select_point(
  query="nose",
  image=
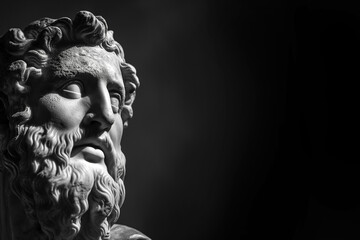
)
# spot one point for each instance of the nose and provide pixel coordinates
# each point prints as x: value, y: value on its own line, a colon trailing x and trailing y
x: 100, y: 115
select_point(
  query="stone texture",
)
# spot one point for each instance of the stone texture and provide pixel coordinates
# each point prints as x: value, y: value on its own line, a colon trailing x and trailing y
x: 66, y: 97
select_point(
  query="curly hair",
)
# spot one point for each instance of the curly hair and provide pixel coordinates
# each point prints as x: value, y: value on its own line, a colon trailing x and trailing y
x: 24, y: 54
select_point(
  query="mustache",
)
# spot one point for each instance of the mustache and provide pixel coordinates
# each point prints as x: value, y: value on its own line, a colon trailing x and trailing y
x: 114, y: 161
x: 45, y: 143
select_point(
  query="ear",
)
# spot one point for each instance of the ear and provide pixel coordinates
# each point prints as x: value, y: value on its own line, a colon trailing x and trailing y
x: 131, y: 82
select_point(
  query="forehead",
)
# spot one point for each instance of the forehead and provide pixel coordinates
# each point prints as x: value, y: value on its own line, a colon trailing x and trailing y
x: 77, y: 60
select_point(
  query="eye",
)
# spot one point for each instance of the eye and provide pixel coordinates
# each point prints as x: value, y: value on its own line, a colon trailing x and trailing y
x: 73, y: 90
x: 115, y: 99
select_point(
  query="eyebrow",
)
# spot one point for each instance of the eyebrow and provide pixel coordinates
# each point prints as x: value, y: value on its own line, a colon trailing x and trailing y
x: 116, y: 85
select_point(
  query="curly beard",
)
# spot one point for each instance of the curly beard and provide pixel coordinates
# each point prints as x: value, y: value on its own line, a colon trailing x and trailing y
x: 68, y: 199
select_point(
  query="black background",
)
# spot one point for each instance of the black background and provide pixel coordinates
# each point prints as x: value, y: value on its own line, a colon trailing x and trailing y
x: 245, y: 121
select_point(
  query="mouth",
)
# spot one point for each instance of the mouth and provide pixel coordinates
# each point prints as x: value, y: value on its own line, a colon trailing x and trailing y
x: 98, y: 150
x: 89, y: 152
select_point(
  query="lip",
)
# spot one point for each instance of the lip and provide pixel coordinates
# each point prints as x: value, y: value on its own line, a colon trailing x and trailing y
x: 104, y: 144
x: 96, y: 143
x: 90, y: 153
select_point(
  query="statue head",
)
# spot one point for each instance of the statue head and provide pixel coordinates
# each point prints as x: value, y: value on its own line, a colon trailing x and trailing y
x: 66, y: 94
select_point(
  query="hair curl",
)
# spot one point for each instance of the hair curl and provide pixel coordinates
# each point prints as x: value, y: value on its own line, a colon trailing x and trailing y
x: 25, y: 53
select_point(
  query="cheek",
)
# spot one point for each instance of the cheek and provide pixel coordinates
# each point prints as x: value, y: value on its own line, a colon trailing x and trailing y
x: 64, y: 113
x: 116, y: 131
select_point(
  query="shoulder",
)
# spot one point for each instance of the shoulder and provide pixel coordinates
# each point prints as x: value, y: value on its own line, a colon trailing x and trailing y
x: 122, y: 232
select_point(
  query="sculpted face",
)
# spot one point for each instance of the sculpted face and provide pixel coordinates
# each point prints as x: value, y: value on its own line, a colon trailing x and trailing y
x: 77, y: 167
x: 67, y: 92
x: 83, y: 87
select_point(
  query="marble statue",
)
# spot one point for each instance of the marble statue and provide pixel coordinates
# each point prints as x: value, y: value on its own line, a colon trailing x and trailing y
x: 66, y: 96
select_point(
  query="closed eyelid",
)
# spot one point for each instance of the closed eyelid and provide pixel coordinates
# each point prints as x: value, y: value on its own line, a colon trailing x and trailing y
x: 115, y: 99
x: 117, y: 95
x: 73, y: 89
x: 115, y: 106
x: 77, y: 93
